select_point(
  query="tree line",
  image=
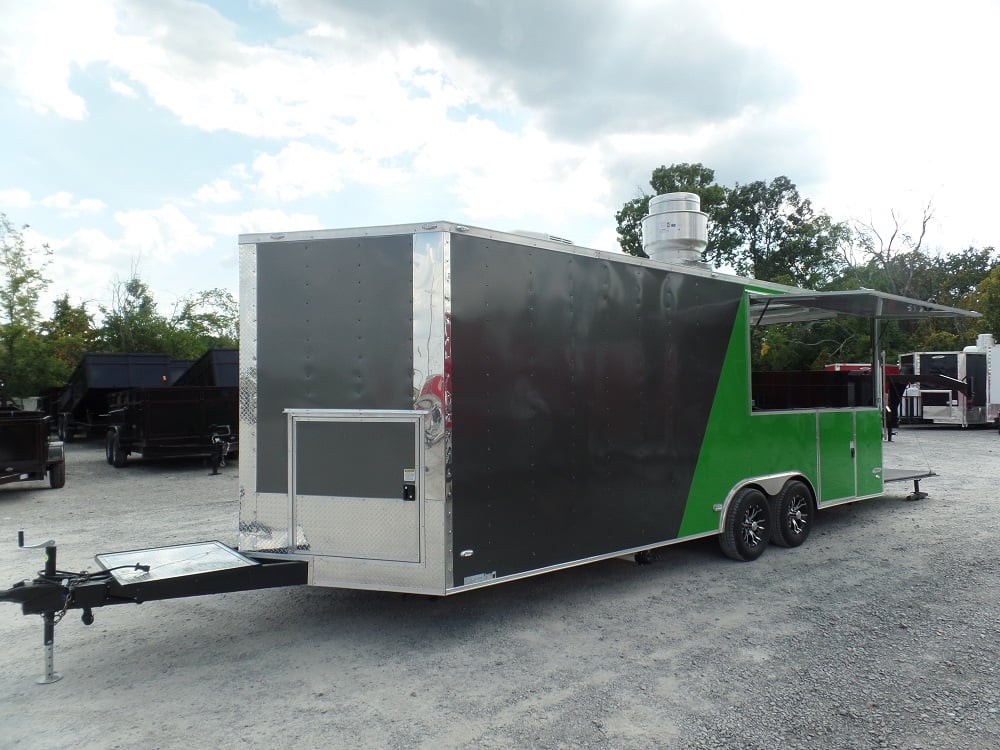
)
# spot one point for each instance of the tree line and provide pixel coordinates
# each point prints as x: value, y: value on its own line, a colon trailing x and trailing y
x: 37, y: 352
x: 768, y: 231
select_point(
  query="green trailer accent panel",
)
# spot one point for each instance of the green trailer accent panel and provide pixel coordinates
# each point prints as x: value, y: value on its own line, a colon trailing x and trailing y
x: 740, y: 444
x: 838, y: 451
x: 869, y: 440
x: 837, y: 454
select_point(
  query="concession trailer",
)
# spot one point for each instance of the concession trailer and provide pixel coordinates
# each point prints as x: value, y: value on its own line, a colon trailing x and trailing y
x: 957, y: 388
x: 433, y: 408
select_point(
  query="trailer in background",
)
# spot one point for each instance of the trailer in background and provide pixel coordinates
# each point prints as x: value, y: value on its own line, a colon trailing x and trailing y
x: 174, y: 422
x: 196, y: 416
x: 957, y: 388
x: 82, y: 404
x: 217, y: 367
x: 26, y: 452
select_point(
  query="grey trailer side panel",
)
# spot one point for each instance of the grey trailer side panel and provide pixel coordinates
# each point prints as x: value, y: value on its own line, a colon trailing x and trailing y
x: 583, y: 387
x: 335, y: 333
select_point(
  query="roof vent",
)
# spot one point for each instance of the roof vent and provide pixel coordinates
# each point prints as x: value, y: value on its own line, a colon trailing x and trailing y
x: 676, y: 230
x: 542, y: 236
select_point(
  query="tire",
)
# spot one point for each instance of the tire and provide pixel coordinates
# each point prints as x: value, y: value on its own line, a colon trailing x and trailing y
x: 63, y: 430
x: 107, y: 447
x: 746, y: 530
x: 57, y: 475
x: 792, y: 515
x: 116, y: 456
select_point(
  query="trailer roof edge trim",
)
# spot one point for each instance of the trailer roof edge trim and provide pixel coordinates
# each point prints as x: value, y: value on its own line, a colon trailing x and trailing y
x: 803, y: 306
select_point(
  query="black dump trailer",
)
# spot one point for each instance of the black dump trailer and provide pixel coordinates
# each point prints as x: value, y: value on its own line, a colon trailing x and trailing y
x: 197, y: 415
x: 26, y: 453
x: 174, y: 422
x: 82, y: 405
x: 177, y: 369
x: 220, y: 367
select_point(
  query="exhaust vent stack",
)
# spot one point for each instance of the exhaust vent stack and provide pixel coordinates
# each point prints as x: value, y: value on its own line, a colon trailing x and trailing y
x: 676, y: 230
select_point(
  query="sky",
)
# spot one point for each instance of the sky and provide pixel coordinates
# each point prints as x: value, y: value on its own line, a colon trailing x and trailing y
x: 144, y: 137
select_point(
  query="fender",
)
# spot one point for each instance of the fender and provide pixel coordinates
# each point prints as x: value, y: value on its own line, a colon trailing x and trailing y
x: 770, y: 484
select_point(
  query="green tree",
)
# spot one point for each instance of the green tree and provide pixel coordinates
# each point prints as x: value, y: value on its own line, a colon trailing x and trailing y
x: 68, y: 335
x: 199, y: 322
x: 768, y: 231
x: 208, y: 319
x: 132, y: 322
x: 986, y: 300
x: 23, y: 281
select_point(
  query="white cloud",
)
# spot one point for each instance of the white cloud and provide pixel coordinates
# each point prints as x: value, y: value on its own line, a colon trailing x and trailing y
x: 70, y: 208
x: 120, y: 87
x: 15, y: 198
x: 161, y: 235
x: 43, y: 41
x: 505, y: 176
x: 217, y: 191
x: 300, y: 170
x: 262, y: 220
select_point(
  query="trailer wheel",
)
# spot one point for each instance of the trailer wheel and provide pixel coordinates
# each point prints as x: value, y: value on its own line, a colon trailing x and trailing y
x: 57, y: 475
x: 63, y: 429
x: 792, y: 515
x: 746, y: 530
x: 113, y: 450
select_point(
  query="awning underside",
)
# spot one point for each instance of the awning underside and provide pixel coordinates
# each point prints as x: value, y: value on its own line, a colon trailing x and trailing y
x: 768, y: 309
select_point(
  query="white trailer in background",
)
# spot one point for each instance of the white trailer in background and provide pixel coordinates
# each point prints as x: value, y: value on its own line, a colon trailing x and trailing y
x: 959, y: 388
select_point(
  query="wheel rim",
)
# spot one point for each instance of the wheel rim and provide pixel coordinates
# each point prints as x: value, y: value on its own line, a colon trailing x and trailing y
x: 797, y: 517
x: 754, y: 526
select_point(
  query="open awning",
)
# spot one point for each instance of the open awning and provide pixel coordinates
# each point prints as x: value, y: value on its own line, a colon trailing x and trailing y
x: 802, y: 306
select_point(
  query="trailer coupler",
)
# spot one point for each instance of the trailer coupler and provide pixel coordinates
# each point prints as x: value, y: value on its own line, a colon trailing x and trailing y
x: 185, y: 570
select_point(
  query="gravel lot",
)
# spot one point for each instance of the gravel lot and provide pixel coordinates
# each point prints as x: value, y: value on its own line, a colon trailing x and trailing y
x: 881, y: 631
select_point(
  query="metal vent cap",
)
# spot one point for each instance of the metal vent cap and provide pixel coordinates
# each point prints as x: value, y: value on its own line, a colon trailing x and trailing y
x: 676, y: 229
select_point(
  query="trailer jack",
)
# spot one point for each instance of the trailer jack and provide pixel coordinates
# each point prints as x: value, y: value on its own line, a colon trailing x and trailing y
x: 49, y: 617
x: 221, y: 439
x: 917, y: 493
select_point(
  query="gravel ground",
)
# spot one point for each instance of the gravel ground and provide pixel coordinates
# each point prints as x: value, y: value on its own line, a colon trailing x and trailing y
x: 881, y: 631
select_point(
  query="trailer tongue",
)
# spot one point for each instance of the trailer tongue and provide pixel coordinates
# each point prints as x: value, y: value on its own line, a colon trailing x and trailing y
x: 138, y: 576
x: 435, y: 408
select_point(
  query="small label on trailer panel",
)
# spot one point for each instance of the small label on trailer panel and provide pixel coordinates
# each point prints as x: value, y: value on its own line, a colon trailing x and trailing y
x: 409, y: 475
